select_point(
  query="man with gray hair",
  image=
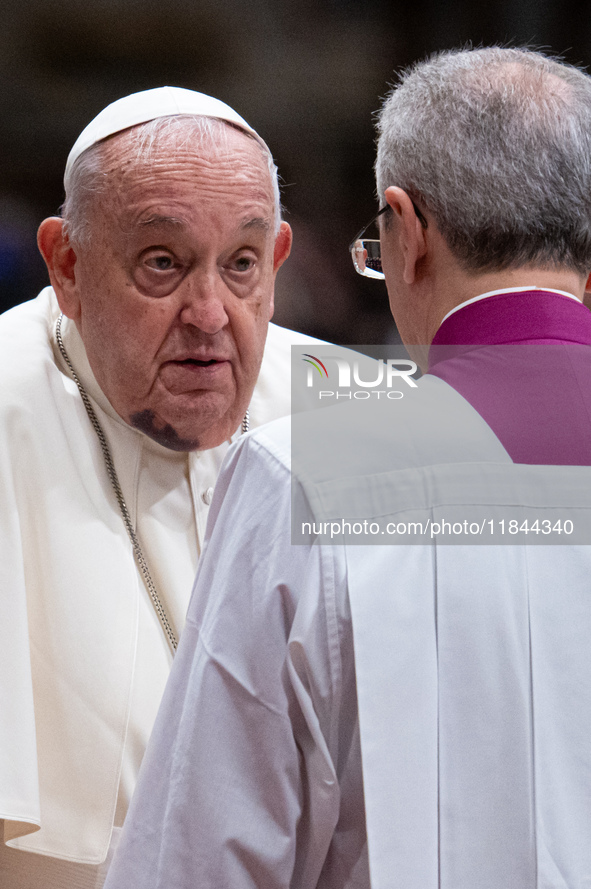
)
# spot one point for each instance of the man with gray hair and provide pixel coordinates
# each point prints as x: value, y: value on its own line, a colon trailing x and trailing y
x: 123, y: 385
x: 418, y: 713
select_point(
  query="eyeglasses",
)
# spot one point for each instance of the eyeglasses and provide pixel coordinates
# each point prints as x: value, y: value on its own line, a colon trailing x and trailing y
x: 366, y: 252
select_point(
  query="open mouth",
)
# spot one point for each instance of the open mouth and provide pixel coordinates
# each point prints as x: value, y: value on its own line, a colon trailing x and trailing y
x: 185, y: 375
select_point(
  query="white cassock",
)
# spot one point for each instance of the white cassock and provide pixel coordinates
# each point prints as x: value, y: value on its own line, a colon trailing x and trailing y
x: 83, y: 658
x: 420, y: 712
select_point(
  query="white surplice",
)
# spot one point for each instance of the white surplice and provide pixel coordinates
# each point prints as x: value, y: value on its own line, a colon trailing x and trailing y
x: 454, y: 682
x: 83, y: 658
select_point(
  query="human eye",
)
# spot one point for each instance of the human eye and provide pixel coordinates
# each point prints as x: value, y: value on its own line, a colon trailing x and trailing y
x: 159, y: 260
x: 158, y: 271
x: 243, y: 262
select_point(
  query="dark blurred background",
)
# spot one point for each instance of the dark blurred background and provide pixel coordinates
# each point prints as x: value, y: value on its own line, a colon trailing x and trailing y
x: 307, y: 75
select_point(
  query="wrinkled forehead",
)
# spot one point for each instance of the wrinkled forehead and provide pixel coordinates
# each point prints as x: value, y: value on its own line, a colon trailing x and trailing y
x: 173, y: 147
x: 183, y: 162
x: 146, y: 143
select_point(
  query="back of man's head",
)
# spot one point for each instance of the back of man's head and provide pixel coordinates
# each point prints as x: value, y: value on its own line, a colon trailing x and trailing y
x: 496, y: 144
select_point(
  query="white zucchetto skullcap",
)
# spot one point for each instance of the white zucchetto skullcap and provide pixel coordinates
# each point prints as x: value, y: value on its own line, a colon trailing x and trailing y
x: 164, y: 101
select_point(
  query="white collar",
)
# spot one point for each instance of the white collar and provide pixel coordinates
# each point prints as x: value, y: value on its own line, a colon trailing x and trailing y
x: 475, y: 299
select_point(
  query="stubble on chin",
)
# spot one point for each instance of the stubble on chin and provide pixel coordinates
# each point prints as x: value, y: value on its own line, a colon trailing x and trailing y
x: 166, y: 435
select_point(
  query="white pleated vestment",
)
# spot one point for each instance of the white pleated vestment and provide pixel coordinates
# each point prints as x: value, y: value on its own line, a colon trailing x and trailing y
x: 454, y: 682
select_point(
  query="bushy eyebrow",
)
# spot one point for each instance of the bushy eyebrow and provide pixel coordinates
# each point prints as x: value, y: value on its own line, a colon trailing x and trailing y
x: 156, y: 219
x: 257, y: 222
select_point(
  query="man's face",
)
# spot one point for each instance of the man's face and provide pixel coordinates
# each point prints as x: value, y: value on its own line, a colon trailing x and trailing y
x: 175, y: 291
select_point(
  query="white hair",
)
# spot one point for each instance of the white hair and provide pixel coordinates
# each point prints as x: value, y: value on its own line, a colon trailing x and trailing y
x: 88, y: 179
x: 496, y: 144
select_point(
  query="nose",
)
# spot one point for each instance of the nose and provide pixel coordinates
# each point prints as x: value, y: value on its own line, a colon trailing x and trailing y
x: 204, y: 303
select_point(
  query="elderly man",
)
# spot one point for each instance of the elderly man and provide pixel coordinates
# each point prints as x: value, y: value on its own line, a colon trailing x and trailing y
x: 123, y: 384
x: 449, y: 745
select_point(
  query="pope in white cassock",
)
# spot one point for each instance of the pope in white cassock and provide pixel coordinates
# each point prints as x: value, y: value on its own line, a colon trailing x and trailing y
x: 122, y: 386
x: 410, y: 716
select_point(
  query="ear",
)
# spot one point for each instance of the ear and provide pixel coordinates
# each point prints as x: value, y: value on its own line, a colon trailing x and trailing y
x: 587, y: 293
x: 411, y: 233
x: 281, y: 251
x: 282, y: 246
x: 60, y: 259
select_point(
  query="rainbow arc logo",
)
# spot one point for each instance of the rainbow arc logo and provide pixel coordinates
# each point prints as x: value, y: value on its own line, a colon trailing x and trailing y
x: 315, y: 362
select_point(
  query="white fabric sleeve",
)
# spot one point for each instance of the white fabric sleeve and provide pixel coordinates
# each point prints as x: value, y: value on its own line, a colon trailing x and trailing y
x: 238, y: 782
